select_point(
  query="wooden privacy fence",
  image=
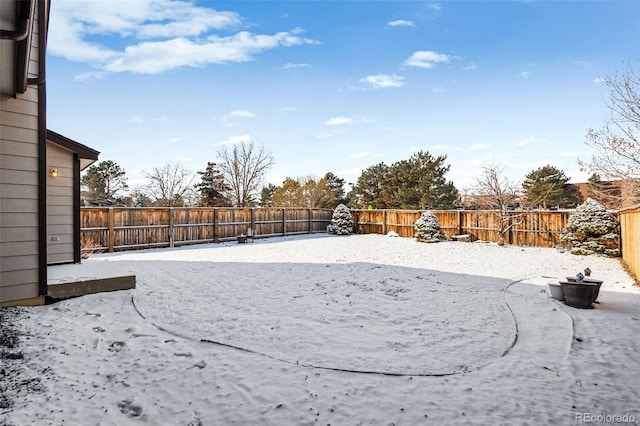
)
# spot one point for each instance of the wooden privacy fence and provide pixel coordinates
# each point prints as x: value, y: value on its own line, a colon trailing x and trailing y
x: 527, y: 228
x: 630, y: 236
x: 121, y: 228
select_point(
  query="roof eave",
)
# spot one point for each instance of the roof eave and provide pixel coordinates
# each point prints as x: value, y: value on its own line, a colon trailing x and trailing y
x: 83, y: 151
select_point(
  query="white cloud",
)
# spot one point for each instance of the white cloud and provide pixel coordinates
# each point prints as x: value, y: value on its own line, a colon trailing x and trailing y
x: 343, y: 121
x: 426, y: 59
x: 88, y: 76
x: 143, y: 18
x: 157, y: 35
x: 525, y: 141
x: 288, y: 66
x: 470, y: 67
x: 235, y: 139
x: 435, y: 6
x: 525, y: 75
x: 231, y: 118
x: 529, y: 140
x: 156, y: 57
x: 401, y: 23
x: 331, y: 134
x: 598, y: 81
x: 287, y: 109
x: 339, y: 121
x: 238, y: 113
x: 382, y: 81
x: 480, y: 146
x: 135, y: 119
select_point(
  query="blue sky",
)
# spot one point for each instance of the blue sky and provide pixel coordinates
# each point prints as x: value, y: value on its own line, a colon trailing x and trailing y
x: 337, y: 85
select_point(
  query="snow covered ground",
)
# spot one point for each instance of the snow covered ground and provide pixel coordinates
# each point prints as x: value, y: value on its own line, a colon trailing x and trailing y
x: 364, y: 329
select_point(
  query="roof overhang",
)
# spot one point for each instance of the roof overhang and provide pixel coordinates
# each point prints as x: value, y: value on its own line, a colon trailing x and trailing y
x: 87, y: 155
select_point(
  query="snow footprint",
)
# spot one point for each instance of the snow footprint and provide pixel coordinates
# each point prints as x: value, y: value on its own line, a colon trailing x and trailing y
x: 129, y: 409
x: 116, y: 346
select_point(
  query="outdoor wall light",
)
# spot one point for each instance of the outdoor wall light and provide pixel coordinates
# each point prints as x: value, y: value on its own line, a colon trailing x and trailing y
x: 53, y: 172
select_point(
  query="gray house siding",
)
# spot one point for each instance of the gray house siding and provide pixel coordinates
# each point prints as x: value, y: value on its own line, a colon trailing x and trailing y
x: 19, y: 252
x: 60, y: 205
x: 21, y: 212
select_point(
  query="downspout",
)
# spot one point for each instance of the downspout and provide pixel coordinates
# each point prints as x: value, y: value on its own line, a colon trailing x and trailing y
x: 25, y: 18
x: 76, y: 209
x: 43, y: 287
x: 22, y: 32
x: 43, y: 31
x: 18, y: 35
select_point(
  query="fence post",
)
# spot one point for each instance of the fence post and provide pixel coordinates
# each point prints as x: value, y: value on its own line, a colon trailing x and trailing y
x: 460, y: 232
x: 356, y: 221
x: 111, y: 232
x: 215, y: 224
x: 384, y: 222
x: 284, y: 222
x: 253, y: 221
x: 171, y: 236
x: 310, y: 220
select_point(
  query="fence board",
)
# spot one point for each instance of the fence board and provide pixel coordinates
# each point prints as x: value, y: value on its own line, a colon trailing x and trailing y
x: 630, y: 238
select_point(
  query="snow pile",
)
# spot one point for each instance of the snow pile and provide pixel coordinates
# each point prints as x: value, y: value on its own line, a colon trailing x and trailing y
x: 427, y: 228
x: 591, y: 229
x: 341, y: 221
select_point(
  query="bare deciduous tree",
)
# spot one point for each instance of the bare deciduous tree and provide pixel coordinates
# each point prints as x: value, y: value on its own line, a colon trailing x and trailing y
x: 170, y: 184
x: 496, y: 191
x: 244, y: 167
x: 616, y: 145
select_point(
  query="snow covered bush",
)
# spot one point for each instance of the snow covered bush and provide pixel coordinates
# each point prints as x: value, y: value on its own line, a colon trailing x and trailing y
x: 341, y: 221
x: 591, y: 229
x: 427, y: 228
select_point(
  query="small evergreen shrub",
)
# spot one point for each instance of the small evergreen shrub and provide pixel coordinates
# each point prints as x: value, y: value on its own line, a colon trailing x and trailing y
x: 591, y: 229
x: 341, y: 221
x: 427, y: 228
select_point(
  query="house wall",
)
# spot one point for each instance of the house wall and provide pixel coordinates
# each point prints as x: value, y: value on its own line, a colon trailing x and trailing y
x: 19, y: 258
x: 60, y: 205
x: 19, y: 268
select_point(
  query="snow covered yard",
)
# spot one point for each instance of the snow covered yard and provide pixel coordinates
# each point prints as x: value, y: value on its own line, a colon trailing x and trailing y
x: 320, y: 329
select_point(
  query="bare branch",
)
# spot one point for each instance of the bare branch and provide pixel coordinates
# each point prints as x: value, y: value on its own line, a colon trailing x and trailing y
x: 244, y: 168
x: 616, y: 146
x: 170, y: 184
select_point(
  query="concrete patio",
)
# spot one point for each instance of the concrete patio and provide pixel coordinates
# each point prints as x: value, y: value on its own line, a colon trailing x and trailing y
x: 79, y: 279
